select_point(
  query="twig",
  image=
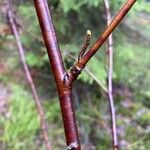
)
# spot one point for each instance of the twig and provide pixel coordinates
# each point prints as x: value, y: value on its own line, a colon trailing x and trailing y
x: 110, y: 73
x: 28, y: 75
x: 83, y: 61
x: 85, y: 45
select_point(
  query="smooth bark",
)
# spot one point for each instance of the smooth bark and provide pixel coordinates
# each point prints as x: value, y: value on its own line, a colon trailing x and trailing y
x: 64, y: 86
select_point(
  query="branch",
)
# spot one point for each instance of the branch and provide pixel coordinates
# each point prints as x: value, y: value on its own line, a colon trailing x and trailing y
x: 77, y: 68
x: 64, y: 80
x: 64, y: 86
x: 110, y: 73
x: 28, y: 75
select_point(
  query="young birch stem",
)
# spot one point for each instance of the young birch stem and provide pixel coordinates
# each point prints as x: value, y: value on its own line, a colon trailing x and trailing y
x: 28, y: 75
x: 63, y: 82
x: 110, y: 74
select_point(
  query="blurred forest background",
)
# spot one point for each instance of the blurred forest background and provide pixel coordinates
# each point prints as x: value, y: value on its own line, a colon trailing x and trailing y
x: 19, y: 124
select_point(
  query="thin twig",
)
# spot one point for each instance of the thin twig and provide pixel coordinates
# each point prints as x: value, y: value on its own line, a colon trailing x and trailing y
x: 85, y: 45
x: 110, y: 74
x: 28, y: 75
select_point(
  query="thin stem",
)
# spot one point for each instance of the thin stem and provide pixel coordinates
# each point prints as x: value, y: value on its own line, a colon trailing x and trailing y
x: 85, y: 45
x: 64, y: 86
x: 110, y: 74
x: 28, y: 75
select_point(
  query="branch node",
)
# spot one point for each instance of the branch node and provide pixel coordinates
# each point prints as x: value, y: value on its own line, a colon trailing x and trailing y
x: 71, y: 75
x: 76, y: 70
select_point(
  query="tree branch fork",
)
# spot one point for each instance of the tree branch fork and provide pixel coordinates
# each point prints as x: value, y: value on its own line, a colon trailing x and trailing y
x: 64, y: 79
x: 75, y: 71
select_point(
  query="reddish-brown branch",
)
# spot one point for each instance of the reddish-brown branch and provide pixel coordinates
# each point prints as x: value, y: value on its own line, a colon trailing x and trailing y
x: 110, y: 74
x: 81, y: 64
x: 64, y: 86
x: 65, y: 80
x: 28, y: 75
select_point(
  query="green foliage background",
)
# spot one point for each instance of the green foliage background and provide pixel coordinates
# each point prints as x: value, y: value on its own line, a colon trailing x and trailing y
x: 72, y: 18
